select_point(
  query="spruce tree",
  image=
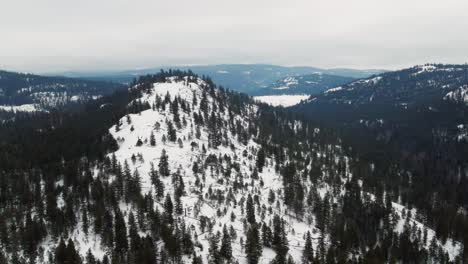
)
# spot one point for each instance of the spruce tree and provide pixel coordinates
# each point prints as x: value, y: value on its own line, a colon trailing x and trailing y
x: 280, y: 241
x: 164, y: 164
x: 152, y: 139
x: 226, y: 248
x: 171, y: 132
x: 260, y: 159
x: 121, y: 242
x: 156, y: 181
x: 253, y: 247
x: 250, y: 210
x: 308, y: 253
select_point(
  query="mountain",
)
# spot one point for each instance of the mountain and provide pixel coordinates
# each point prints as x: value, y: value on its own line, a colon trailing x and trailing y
x: 412, y: 122
x: 29, y: 92
x: 310, y: 84
x: 419, y: 85
x: 178, y: 170
x: 245, y: 78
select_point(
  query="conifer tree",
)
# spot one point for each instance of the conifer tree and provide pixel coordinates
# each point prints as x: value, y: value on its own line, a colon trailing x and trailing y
x: 250, y: 210
x: 156, y: 181
x: 280, y: 241
x: 168, y: 210
x: 308, y: 253
x: 253, y: 247
x: 171, y: 132
x: 226, y: 248
x: 133, y: 233
x: 214, y: 253
x: 152, y: 139
x: 260, y: 159
x: 121, y: 242
x: 164, y: 164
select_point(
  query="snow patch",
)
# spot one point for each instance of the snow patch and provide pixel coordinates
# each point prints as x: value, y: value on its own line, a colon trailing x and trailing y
x: 281, y: 100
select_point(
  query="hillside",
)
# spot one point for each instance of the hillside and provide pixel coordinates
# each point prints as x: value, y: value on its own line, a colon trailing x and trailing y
x: 191, y: 173
x: 22, y: 92
x: 310, y: 84
x: 412, y: 120
x: 424, y: 84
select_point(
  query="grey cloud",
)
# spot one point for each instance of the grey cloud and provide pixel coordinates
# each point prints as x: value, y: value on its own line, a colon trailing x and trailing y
x: 57, y: 35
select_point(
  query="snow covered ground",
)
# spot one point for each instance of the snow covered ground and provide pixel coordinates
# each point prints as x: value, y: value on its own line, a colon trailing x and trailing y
x: 198, y: 200
x: 181, y: 159
x: 281, y: 100
x: 20, y: 108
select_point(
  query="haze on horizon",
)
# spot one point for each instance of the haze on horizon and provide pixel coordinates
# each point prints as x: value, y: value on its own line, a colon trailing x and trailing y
x: 54, y: 35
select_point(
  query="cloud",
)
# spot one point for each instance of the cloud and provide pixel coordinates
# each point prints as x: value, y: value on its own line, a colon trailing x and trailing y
x: 57, y: 35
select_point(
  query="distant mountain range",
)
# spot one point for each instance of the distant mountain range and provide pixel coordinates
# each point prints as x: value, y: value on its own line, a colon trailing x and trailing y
x: 310, y: 84
x: 246, y: 78
x: 29, y: 92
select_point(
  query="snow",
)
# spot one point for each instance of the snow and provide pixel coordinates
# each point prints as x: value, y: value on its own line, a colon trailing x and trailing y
x: 425, y: 68
x: 20, y: 108
x: 183, y: 157
x: 281, y: 100
x: 332, y: 90
x: 196, y: 202
x: 286, y: 83
x: 281, y: 88
x: 290, y: 81
x: 222, y: 72
x: 459, y: 95
x: 451, y: 247
x: 374, y: 80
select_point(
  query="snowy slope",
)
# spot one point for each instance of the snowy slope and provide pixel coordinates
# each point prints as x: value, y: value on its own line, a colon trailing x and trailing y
x: 216, y: 192
x: 182, y: 158
x: 281, y: 100
x: 20, y: 108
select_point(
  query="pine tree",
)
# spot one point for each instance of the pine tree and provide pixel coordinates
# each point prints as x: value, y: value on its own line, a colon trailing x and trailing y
x: 260, y: 159
x: 84, y: 220
x: 250, y: 210
x: 61, y: 252
x: 308, y: 253
x: 178, y: 203
x: 164, y: 164
x: 139, y: 142
x: 253, y: 247
x: 280, y: 241
x: 133, y: 233
x: 267, y: 236
x: 156, y: 181
x: 226, y: 248
x: 168, y: 210
x: 152, y: 139
x: 214, y: 254
x: 90, y: 259
x: 171, y: 132
x: 196, y: 259
x: 72, y: 255
x: 121, y: 242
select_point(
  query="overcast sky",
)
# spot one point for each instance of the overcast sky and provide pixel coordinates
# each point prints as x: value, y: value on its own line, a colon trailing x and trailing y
x: 62, y: 35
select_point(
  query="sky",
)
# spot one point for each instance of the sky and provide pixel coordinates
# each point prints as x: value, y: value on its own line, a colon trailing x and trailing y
x: 97, y: 35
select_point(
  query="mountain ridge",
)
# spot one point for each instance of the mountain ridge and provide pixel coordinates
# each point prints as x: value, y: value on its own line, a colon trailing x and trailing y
x: 246, y: 78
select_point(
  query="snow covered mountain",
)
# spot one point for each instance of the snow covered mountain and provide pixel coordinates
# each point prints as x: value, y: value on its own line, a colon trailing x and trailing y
x: 22, y: 92
x: 199, y: 174
x: 422, y: 84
